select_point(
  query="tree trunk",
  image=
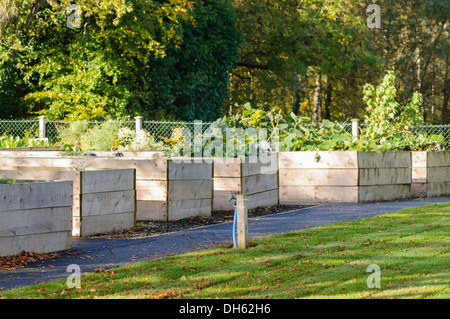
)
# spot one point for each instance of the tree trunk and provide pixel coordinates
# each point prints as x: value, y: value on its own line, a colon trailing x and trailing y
x: 317, y: 101
x: 327, y: 102
x: 446, y: 95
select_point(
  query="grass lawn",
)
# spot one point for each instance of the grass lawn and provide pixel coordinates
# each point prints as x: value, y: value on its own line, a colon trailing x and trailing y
x: 411, y: 247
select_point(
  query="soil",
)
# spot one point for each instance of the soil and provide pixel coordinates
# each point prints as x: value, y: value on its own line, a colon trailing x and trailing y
x: 151, y: 228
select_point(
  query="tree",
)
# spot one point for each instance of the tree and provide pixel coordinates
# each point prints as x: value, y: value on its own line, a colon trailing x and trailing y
x: 159, y: 59
x: 288, y: 45
x: 416, y: 45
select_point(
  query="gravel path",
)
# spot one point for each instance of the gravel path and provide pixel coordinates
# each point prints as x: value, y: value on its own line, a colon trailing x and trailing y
x: 95, y: 253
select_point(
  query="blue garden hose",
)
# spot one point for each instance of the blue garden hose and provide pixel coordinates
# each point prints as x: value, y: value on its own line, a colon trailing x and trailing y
x: 234, y: 226
x: 234, y: 220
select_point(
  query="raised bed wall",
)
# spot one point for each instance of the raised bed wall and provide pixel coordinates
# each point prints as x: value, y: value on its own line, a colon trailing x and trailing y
x: 180, y: 189
x: 430, y: 174
x: 58, y: 152
x: 256, y: 177
x: 384, y: 176
x: 103, y: 200
x: 35, y: 217
x: 166, y: 189
x: 343, y: 176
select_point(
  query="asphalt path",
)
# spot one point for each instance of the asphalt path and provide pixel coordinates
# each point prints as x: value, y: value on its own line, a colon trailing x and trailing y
x: 98, y: 253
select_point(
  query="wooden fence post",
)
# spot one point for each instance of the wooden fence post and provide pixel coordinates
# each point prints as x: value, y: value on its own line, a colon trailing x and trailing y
x: 241, y: 221
x: 42, y: 132
x: 138, y: 123
x: 355, y: 129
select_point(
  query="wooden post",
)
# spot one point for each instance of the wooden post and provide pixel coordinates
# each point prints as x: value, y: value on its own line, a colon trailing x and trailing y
x: 241, y: 221
x: 42, y: 132
x: 138, y: 123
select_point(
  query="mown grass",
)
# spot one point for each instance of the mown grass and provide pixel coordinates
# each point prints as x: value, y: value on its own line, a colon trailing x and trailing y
x: 411, y: 247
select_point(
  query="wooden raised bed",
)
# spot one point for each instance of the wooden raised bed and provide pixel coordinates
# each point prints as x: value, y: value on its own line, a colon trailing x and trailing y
x: 256, y: 177
x: 175, y: 190
x: 52, y: 151
x: 103, y: 200
x: 343, y: 176
x: 166, y: 189
x: 430, y: 174
x: 35, y: 217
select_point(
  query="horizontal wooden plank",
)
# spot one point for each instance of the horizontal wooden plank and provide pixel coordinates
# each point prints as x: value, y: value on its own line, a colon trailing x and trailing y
x: 419, y: 159
x: 439, y: 158
x: 40, y: 149
x: 151, y: 210
x: 418, y: 174
x: 35, y: 195
x: 190, y: 170
x: 227, y: 167
x: 94, y: 225
x: 438, y: 189
x: 309, y: 159
x: 107, y: 203
x: 384, y: 192
x: 263, y: 199
x: 317, y: 194
x: 384, y: 159
x: 42, y: 243
x: 220, y: 200
x: 151, y: 190
x: 28, y: 153
x: 107, y: 180
x: 227, y: 184
x: 145, y: 168
x: 35, y: 221
x: 319, y: 177
x: 262, y: 164
x: 43, y: 174
x: 259, y: 183
x: 133, y: 154
x: 179, y: 209
x: 384, y: 176
x: 190, y: 189
x: 436, y: 174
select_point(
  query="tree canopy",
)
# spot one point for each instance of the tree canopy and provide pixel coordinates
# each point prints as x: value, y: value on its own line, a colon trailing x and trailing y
x: 188, y: 60
x: 162, y: 59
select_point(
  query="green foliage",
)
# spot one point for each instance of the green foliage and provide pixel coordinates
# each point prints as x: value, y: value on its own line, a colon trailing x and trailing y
x: 7, y: 181
x: 159, y: 59
x: 7, y: 141
x: 101, y: 137
x: 283, y: 41
x: 130, y: 140
x: 80, y: 137
x: 8, y: 105
x: 389, y: 128
x: 71, y: 136
x: 390, y: 125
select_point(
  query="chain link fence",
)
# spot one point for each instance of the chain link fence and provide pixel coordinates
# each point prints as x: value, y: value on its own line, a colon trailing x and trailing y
x: 159, y: 130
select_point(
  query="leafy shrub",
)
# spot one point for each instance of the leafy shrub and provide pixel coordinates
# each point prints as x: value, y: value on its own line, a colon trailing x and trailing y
x: 389, y: 128
x: 101, y: 137
x: 79, y: 138
x: 16, y: 141
x: 72, y: 135
x: 130, y: 140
